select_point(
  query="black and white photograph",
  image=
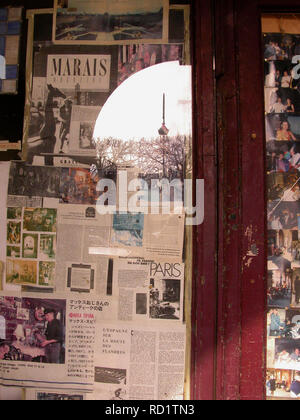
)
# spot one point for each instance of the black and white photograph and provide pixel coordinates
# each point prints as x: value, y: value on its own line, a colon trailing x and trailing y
x: 110, y: 376
x: 164, y: 299
x: 34, y: 181
x: 111, y: 23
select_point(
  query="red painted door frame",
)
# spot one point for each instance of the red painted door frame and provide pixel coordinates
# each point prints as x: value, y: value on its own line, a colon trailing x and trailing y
x: 230, y: 264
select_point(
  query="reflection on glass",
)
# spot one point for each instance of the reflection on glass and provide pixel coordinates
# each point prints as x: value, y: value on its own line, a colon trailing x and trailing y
x: 146, y: 122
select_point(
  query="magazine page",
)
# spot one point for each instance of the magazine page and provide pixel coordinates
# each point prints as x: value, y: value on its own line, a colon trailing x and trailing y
x: 50, y: 341
x: 78, y: 270
x: 136, y: 362
x: 70, y: 86
x: 148, y: 290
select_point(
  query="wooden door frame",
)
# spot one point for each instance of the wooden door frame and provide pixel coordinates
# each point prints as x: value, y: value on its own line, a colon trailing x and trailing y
x: 230, y: 248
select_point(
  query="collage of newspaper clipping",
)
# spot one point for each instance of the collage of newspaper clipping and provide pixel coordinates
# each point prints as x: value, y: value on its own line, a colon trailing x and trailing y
x: 92, y: 297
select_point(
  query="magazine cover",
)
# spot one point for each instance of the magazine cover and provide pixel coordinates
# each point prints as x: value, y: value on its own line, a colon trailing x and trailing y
x: 70, y: 86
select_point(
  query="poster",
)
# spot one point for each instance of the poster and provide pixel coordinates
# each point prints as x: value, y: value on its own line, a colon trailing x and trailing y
x: 110, y: 22
x: 70, y: 86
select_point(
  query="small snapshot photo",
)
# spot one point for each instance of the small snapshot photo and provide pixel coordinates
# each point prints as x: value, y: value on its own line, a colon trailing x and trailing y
x: 86, y: 141
x: 47, y: 247
x: 281, y: 47
x: 13, y: 233
x: 13, y: 252
x: 21, y: 272
x: 285, y: 214
x: 287, y: 354
x: 46, y: 273
x: 279, y: 285
x: 283, y: 384
x: 14, y: 213
x: 39, y: 220
x: 164, y: 299
x: 30, y: 246
x: 78, y: 187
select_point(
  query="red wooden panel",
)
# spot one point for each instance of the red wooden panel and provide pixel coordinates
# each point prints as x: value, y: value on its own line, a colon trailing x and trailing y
x: 204, y: 296
x: 254, y: 237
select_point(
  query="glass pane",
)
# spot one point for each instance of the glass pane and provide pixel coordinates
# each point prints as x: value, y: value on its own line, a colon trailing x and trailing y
x: 281, y: 41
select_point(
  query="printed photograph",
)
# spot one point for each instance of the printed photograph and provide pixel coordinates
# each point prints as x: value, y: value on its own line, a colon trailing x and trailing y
x: 14, y: 213
x: 134, y: 58
x: 287, y: 354
x: 283, y: 213
x: 78, y: 186
x: 285, y: 186
x: 47, y: 247
x: 296, y: 283
x: 33, y: 181
x: 283, y: 384
x: 52, y: 396
x: 279, y: 284
x: 39, y: 220
x: 30, y: 246
x: 13, y: 233
x: 81, y: 278
x: 46, y: 273
x: 164, y: 299
x: 110, y: 376
x: 281, y: 47
x: 29, y: 325
x: 21, y: 272
x: 128, y: 230
x: 13, y: 252
x: 112, y: 24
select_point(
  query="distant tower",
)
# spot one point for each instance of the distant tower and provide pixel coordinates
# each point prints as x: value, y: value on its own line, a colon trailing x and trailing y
x: 163, y: 131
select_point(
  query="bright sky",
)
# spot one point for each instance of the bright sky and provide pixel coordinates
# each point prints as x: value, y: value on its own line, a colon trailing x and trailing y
x: 135, y: 108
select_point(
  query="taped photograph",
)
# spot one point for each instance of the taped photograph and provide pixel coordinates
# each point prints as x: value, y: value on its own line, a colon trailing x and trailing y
x: 107, y: 22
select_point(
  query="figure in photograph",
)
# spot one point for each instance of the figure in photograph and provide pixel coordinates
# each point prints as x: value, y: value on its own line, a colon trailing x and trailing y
x: 47, y: 138
x: 285, y: 133
x: 278, y: 107
x: 290, y: 108
x: 297, y: 290
x: 276, y: 325
x: 65, y: 117
x: 54, y: 338
x: 286, y: 80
